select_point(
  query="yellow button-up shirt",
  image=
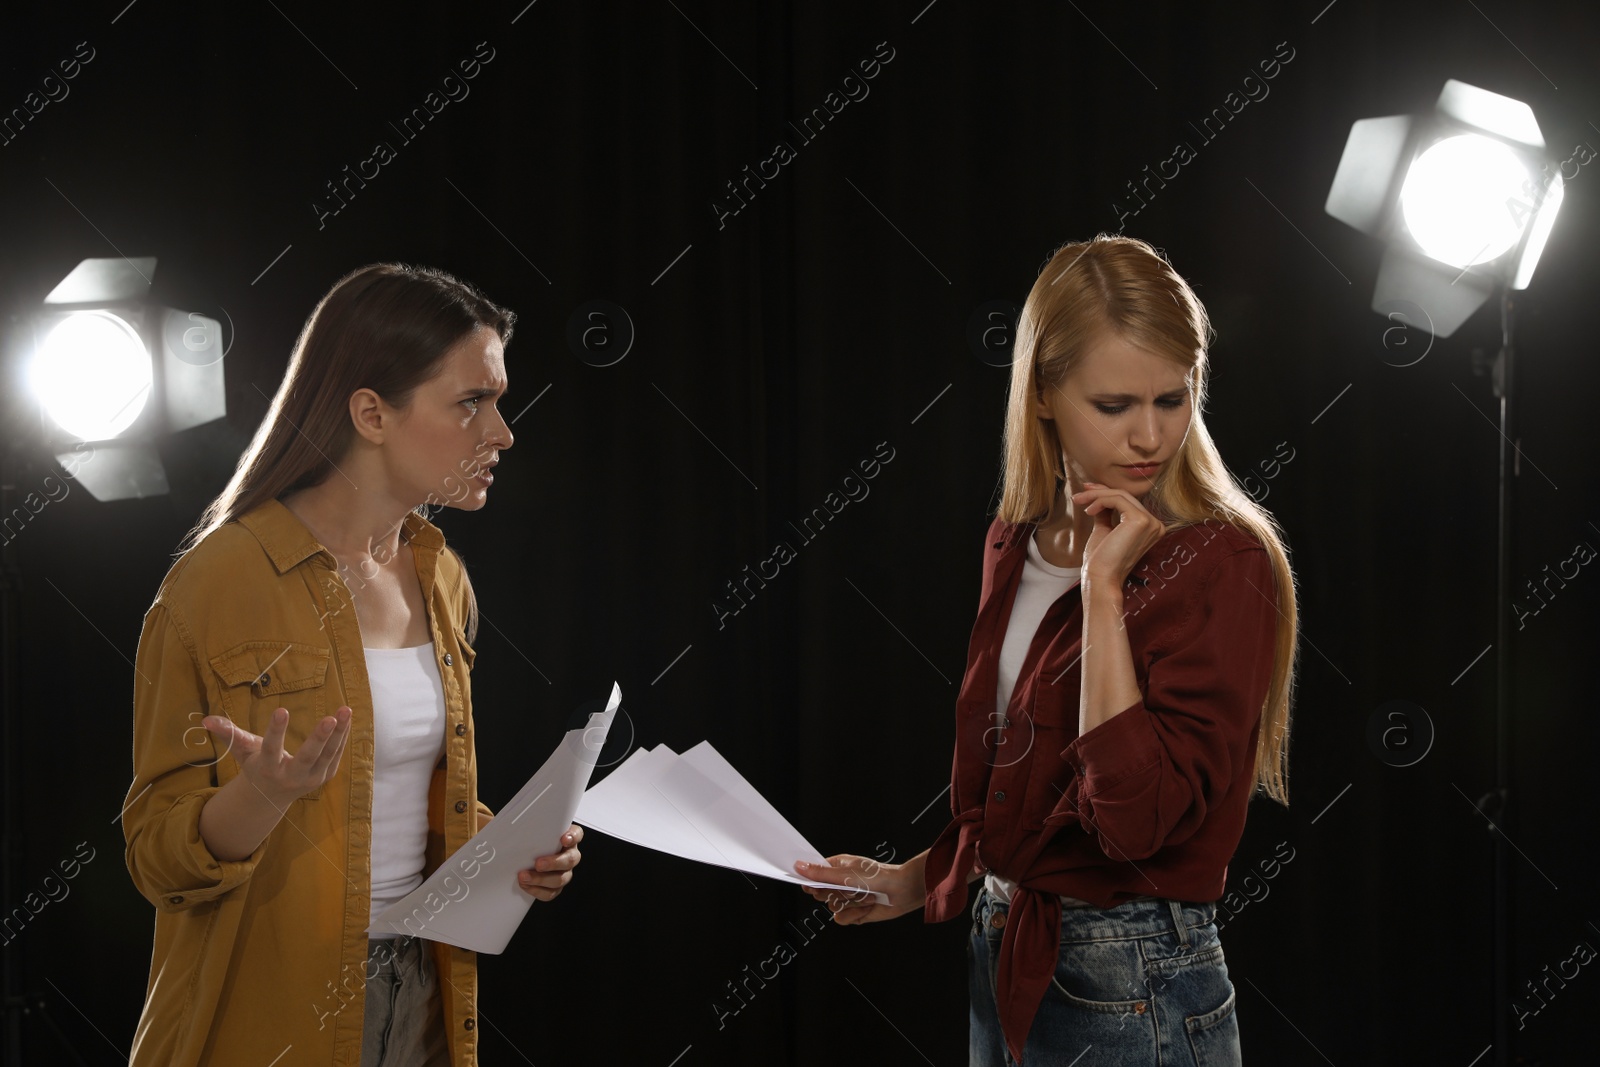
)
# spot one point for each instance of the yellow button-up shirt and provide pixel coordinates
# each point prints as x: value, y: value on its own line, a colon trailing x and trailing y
x: 267, y: 955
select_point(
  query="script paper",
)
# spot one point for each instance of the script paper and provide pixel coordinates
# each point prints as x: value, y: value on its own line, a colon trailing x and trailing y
x: 696, y: 806
x: 473, y: 899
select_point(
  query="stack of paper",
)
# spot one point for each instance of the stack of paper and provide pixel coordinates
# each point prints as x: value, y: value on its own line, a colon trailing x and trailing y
x: 474, y: 900
x: 698, y: 807
x: 695, y: 806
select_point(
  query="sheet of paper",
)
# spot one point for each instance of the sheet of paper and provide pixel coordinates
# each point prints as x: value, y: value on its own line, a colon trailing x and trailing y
x: 698, y: 807
x: 473, y: 899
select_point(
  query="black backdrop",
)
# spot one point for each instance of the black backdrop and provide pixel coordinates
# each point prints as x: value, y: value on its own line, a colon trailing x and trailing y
x: 776, y: 347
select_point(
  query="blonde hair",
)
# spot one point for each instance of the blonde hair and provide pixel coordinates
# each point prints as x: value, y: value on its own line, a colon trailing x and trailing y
x: 1124, y: 287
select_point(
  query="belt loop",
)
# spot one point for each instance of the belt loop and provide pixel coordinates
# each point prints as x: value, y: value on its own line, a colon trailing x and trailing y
x: 1178, y: 923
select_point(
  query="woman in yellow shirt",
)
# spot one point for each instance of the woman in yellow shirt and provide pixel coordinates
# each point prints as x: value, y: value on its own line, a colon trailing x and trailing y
x: 315, y: 611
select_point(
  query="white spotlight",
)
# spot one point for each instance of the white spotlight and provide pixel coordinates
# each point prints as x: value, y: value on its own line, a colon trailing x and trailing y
x: 1465, y: 199
x: 92, y: 374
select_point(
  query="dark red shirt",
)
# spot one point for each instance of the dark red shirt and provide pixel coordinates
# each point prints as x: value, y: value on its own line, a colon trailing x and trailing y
x: 1150, y: 802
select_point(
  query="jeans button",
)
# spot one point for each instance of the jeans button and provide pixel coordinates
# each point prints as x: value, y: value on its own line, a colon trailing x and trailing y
x: 998, y: 920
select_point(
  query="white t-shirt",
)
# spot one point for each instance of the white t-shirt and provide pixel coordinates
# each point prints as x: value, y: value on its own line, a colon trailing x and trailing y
x: 1042, y: 585
x: 408, y: 720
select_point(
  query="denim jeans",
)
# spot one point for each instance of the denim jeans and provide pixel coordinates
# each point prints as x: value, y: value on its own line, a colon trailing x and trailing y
x: 1142, y: 983
x: 404, y: 1014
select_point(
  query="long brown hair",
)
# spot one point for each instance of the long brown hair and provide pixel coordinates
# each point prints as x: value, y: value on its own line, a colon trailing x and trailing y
x: 1124, y: 286
x: 385, y: 327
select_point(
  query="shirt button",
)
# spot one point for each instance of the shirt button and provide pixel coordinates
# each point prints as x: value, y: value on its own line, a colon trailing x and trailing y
x: 174, y: 900
x: 265, y: 679
x: 468, y: 1023
x: 1000, y: 795
x: 461, y: 805
x: 448, y: 662
x: 461, y: 729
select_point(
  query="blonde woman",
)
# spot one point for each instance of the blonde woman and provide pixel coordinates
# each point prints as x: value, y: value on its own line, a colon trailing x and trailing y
x: 316, y: 613
x: 1127, y: 691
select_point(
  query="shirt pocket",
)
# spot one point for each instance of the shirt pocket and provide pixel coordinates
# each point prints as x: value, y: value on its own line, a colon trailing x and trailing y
x: 258, y: 677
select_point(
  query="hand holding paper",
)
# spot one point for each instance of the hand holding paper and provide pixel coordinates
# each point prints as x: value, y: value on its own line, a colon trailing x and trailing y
x: 550, y: 874
x: 698, y: 807
x: 695, y: 806
x: 897, y: 888
x: 474, y: 900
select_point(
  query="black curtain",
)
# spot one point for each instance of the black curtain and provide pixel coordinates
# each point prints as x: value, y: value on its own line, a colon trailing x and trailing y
x: 790, y: 314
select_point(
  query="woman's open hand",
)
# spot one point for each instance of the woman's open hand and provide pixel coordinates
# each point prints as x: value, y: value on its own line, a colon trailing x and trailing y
x: 901, y: 882
x: 280, y: 776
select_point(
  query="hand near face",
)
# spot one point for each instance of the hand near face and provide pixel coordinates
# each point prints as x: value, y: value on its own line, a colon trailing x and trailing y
x: 1124, y: 530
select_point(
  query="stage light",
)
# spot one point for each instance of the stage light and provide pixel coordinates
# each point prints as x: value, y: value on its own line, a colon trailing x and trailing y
x: 94, y: 379
x: 118, y: 374
x: 1464, y: 198
x: 92, y: 374
x: 1455, y: 193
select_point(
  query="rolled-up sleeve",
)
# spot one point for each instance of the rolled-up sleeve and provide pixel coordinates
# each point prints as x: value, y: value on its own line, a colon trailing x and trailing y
x: 1146, y: 778
x: 174, y: 774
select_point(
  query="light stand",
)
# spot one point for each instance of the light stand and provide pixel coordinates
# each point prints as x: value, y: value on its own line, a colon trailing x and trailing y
x: 21, y: 1004
x: 184, y: 384
x: 1473, y: 170
x: 1496, y: 804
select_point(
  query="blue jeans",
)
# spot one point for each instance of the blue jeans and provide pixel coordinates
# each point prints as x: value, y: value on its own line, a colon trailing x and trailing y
x: 1141, y: 983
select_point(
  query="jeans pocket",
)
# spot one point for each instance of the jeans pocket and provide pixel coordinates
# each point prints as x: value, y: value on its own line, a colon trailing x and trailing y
x: 1103, y: 976
x: 1099, y: 999
x: 1214, y: 1036
x: 1196, y: 988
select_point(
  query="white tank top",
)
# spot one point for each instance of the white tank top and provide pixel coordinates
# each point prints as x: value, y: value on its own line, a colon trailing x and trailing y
x: 408, y: 721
